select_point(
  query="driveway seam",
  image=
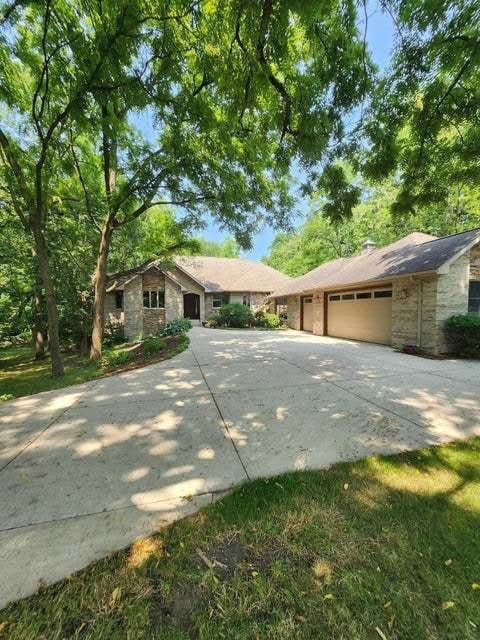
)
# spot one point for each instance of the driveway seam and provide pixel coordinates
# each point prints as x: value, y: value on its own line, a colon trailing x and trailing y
x: 224, y: 422
x: 359, y: 396
x: 77, y: 516
x: 40, y: 433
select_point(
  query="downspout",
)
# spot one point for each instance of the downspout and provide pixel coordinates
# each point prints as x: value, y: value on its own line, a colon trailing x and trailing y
x: 419, y: 313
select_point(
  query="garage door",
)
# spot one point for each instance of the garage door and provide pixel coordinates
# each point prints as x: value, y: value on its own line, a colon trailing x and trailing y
x: 361, y: 315
x: 307, y: 314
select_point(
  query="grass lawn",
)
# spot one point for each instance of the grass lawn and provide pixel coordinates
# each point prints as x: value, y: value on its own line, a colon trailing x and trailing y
x: 21, y: 374
x: 381, y: 548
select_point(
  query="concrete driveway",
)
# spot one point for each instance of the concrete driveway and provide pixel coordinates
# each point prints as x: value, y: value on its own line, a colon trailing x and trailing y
x: 86, y: 469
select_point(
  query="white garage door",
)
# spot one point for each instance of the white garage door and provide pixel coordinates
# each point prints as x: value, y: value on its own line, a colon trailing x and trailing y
x: 361, y: 315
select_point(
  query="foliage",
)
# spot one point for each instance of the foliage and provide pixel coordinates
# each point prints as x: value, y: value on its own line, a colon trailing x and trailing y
x: 177, y: 326
x: 152, y: 344
x: 423, y: 124
x: 115, y: 359
x: 318, y: 239
x: 235, y: 315
x: 227, y: 248
x: 114, y: 333
x: 312, y: 554
x: 237, y: 91
x: 267, y: 320
x: 212, y: 321
x: 463, y: 334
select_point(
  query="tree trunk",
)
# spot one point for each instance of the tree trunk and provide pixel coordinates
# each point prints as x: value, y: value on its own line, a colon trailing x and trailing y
x: 99, y: 280
x: 38, y: 328
x: 52, y: 313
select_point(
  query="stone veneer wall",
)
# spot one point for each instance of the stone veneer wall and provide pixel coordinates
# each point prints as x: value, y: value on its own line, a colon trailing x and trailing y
x: 111, y: 313
x: 133, y: 308
x: 452, y: 297
x: 257, y: 301
x: 420, y: 307
x: 475, y: 257
x: 153, y: 319
x: 318, y: 328
x: 293, y: 313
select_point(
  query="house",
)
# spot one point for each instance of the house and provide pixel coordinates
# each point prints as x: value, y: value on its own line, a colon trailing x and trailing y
x: 398, y: 295
x: 144, y: 298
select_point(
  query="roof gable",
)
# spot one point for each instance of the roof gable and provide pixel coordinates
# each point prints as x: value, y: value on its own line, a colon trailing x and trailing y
x: 415, y: 253
x: 212, y: 273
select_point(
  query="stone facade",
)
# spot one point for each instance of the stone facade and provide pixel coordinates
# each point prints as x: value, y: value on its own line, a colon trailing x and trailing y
x: 257, y: 301
x: 293, y: 313
x: 420, y: 305
x: 133, y: 308
x: 112, y: 314
x: 318, y: 328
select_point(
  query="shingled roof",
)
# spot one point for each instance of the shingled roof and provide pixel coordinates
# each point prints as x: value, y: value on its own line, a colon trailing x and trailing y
x: 415, y: 253
x: 232, y: 274
x: 214, y: 274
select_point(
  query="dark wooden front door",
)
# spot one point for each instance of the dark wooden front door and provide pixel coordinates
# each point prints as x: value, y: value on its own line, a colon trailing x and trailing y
x: 191, y: 306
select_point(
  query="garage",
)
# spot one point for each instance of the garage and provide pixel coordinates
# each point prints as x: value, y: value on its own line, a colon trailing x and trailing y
x: 307, y: 313
x: 361, y: 315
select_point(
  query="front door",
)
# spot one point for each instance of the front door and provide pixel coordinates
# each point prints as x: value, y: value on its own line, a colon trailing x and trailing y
x: 191, y: 306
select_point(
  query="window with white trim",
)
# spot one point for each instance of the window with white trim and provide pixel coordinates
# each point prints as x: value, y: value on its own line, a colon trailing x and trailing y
x: 153, y: 299
x: 220, y: 299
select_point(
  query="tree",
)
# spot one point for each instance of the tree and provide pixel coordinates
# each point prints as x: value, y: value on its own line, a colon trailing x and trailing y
x: 227, y: 248
x: 235, y: 91
x: 320, y: 239
x: 423, y: 124
x: 238, y: 91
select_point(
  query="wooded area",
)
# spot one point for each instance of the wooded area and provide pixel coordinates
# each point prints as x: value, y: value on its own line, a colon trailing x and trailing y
x: 240, y: 95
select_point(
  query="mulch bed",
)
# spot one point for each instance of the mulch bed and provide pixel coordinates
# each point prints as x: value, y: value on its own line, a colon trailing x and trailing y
x: 171, y: 346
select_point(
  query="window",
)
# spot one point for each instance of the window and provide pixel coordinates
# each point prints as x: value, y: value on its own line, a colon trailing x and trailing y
x: 348, y: 296
x: 118, y: 299
x: 307, y: 300
x: 382, y: 294
x: 246, y: 300
x: 334, y: 298
x: 220, y: 299
x: 474, y: 297
x: 281, y: 302
x: 153, y: 299
x: 364, y: 295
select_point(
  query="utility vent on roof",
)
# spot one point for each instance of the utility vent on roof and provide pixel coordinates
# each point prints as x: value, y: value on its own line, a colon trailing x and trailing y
x: 368, y: 245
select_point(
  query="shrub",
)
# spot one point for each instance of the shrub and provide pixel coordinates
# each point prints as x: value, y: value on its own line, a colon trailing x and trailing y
x: 114, y: 359
x: 177, y: 326
x: 114, y: 333
x: 235, y: 315
x: 211, y: 321
x: 267, y: 320
x: 463, y: 334
x: 152, y: 344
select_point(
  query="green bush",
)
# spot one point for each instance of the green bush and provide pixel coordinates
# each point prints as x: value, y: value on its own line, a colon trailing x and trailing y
x: 114, y: 333
x: 211, y: 321
x: 114, y: 359
x: 235, y: 315
x: 177, y: 326
x: 152, y: 344
x: 267, y: 320
x: 463, y: 334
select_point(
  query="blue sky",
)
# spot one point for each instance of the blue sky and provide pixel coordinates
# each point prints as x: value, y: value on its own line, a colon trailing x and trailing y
x: 379, y: 37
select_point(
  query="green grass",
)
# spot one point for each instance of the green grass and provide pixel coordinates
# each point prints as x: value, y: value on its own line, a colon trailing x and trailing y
x: 22, y: 375
x: 382, y: 548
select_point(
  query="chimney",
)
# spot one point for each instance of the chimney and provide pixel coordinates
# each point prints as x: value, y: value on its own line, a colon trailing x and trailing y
x: 368, y: 246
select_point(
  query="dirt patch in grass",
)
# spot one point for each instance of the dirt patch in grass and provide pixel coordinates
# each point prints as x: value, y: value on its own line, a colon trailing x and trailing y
x: 176, y: 609
x: 300, y: 556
